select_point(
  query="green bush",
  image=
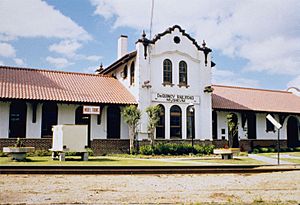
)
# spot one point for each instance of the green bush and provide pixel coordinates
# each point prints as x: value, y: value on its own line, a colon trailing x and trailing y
x: 271, y: 149
x: 176, y: 149
x: 90, y: 151
x: 2, y: 154
x: 263, y: 149
x: 297, y: 149
x: 255, y: 151
x: 209, y: 149
x: 39, y: 153
x: 146, y: 150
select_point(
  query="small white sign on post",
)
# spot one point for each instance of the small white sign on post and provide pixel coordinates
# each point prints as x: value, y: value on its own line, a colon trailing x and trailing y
x: 273, y: 121
x: 92, y: 110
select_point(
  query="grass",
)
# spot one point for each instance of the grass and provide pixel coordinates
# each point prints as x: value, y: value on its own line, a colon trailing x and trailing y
x: 103, y: 161
x: 274, y: 156
x: 127, y: 160
x: 240, y: 160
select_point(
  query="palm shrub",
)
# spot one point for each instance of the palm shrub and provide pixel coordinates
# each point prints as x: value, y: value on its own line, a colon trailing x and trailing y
x: 153, y: 113
x: 132, y: 116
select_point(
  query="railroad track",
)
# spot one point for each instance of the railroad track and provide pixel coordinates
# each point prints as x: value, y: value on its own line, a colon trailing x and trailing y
x: 212, y: 169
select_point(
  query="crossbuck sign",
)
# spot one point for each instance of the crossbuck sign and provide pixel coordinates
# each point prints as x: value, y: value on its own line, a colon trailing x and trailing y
x: 273, y: 121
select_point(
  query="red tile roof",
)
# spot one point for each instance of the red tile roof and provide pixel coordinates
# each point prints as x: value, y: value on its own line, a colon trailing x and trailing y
x: 35, y: 84
x: 238, y: 98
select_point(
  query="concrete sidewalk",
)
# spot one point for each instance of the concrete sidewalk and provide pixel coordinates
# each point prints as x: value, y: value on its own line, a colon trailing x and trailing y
x: 268, y: 160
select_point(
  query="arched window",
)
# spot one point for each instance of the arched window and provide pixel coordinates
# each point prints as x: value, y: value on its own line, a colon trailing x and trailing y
x: 175, y: 122
x: 125, y: 72
x: 113, y: 122
x: 160, y: 128
x: 182, y: 73
x: 167, y: 71
x: 269, y: 125
x: 49, y: 118
x: 17, y: 119
x: 132, y: 73
x: 190, y: 122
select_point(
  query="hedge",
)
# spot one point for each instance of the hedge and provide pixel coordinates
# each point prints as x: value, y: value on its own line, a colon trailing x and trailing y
x: 176, y: 149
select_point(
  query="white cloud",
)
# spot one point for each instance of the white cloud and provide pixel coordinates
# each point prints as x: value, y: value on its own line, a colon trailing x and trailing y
x: 7, y: 50
x: 90, y: 69
x: 19, y: 62
x: 35, y: 18
x: 2, y: 63
x: 66, y: 47
x: 227, y: 77
x: 93, y: 58
x: 265, y: 33
x: 58, y: 62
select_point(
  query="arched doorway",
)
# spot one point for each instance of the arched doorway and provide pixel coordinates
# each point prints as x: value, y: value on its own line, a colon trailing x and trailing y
x: 17, y: 119
x: 233, y: 118
x: 214, y: 125
x: 190, y: 122
x: 49, y: 118
x: 175, y: 122
x: 293, y: 132
x: 83, y: 119
x: 160, y: 128
x: 113, y: 122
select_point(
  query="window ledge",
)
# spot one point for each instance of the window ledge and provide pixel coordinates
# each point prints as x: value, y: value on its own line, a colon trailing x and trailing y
x: 169, y: 84
x: 183, y: 85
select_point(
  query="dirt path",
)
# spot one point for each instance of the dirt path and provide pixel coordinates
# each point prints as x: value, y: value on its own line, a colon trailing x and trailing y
x: 145, y: 189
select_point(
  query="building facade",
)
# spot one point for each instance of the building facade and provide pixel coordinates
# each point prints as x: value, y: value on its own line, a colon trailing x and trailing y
x: 171, y: 70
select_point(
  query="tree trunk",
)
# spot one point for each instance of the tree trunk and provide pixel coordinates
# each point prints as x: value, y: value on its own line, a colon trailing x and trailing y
x: 230, y: 140
x: 131, y: 140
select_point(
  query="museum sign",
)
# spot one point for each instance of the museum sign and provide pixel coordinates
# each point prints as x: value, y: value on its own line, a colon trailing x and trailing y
x: 175, y: 98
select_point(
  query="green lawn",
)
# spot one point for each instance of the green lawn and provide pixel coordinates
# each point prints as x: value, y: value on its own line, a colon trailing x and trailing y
x: 127, y: 160
x: 103, y: 161
x: 240, y: 160
x: 274, y: 155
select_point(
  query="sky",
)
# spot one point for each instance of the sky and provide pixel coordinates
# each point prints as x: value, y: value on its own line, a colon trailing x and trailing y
x: 255, y: 43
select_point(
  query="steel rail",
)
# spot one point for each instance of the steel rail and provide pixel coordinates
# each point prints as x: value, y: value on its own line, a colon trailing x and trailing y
x: 123, y: 170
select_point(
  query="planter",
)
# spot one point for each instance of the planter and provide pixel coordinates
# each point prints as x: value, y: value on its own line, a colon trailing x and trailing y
x: 18, y: 153
x: 227, y: 153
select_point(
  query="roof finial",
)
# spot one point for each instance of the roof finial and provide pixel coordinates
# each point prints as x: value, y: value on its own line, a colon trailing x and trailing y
x: 144, y: 34
x: 203, y: 44
x: 100, y: 69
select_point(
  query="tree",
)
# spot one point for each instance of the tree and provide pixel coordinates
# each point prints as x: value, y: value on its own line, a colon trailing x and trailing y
x: 153, y: 120
x: 131, y: 115
x: 232, y: 128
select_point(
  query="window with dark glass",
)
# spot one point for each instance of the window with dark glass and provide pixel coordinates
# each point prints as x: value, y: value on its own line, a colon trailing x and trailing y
x: 182, y: 73
x: 132, y: 73
x: 269, y: 126
x: 49, y: 118
x: 190, y: 122
x: 160, y: 128
x: 167, y: 71
x: 175, y: 122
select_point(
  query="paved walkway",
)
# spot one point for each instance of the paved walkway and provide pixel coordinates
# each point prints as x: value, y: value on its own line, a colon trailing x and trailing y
x: 268, y: 160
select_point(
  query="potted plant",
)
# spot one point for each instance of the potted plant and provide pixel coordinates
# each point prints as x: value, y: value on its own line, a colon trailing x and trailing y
x: 18, y: 151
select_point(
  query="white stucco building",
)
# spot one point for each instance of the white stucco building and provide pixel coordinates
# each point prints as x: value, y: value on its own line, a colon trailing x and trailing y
x: 171, y: 70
